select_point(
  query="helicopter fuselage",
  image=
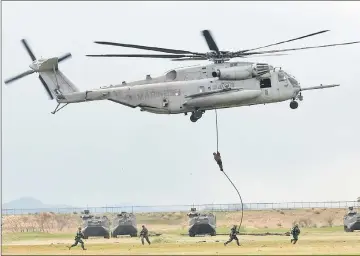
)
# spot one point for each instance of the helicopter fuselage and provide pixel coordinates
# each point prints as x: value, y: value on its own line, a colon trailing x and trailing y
x: 188, y: 90
x: 205, y: 94
x: 182, y: 91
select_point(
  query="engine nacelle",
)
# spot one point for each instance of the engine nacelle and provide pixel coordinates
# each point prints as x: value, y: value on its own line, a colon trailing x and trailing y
x: 242, y: 72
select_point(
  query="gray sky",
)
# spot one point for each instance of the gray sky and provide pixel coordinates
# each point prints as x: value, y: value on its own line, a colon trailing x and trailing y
x: 120, y: 155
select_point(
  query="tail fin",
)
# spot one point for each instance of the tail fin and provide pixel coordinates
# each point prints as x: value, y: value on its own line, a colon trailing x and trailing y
x: 57, y: 83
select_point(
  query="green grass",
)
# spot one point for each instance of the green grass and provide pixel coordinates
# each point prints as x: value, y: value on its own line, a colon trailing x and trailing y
x: 24, y: 236
x: 21, y: 236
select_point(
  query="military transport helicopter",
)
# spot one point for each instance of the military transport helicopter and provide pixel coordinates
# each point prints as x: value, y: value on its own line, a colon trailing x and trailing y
x: 196, y: 89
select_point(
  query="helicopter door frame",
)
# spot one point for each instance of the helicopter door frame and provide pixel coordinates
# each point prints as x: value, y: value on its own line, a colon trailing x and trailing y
x: 266, y: 87
x: 282, y: 83
x: 270, y: 88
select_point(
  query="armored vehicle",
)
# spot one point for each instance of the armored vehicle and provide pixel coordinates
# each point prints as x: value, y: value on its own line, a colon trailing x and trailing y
x: 351, y: 220
x: 201, y: 223
x: 95, y: 225
x: 124, y: 224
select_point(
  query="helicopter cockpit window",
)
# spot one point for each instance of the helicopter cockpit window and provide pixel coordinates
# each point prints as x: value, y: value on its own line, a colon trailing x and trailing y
x: 293, y: 81
x: 281, y: 76
x: 171, y: 75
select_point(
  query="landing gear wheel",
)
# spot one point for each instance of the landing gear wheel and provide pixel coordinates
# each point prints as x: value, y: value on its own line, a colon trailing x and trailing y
x: 113, y: 235
x: 294, y: 104
x: 193, y: 119
x: 107, y: 237
x: 191, y: 234
x: 213, y: 234
x: 197, y: 114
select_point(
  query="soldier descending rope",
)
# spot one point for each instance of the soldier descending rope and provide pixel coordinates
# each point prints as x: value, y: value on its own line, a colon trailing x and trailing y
x: 217, y: 158
x: 78, y: 237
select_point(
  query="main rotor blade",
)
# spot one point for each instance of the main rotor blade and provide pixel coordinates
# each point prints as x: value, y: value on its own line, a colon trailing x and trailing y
x: 32, y: 56
x: 165, y: 56
x: 262, y: 55
x: 190, y: 58
x: 10, y: 80
x: 64, y: 57
x: 158, y: 49
x: 295, y: 49
x: 210, y: 41
x: 46, y: 87
x: 290, y: 40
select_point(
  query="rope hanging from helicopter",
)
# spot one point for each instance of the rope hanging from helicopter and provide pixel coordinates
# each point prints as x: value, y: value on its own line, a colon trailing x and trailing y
x: 237, y: 191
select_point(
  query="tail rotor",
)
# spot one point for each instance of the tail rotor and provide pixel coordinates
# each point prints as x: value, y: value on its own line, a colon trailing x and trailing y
x: 29, y: 72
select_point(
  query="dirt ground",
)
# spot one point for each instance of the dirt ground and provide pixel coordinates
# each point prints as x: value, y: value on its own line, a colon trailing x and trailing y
x: 321, y: 233
x: 310, y: 243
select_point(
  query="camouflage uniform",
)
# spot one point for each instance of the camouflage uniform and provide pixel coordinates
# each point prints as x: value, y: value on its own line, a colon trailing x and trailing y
x: 295, y: 231
x: 233, y: 236
x: 217, y: 158
x: 78, y: 237
x: 144, y: 234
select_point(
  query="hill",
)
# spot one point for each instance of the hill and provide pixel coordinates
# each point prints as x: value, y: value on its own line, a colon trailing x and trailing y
x: 31, y: 203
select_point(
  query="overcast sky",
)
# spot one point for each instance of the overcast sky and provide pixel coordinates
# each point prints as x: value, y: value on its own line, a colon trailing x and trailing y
x: 102, y: 153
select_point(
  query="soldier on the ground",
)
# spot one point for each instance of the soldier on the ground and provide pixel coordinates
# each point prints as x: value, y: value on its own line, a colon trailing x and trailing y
x: 78, y: 237
x: 233, y: 236
x: 217, y: 158
x: 144, y: 233
x: 295, y: 232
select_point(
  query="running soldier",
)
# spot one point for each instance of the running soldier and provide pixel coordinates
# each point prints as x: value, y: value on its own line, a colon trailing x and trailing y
x: 233, y: 236
x: 295, y: 232
x: 144, y: 234
x: 78, y: 237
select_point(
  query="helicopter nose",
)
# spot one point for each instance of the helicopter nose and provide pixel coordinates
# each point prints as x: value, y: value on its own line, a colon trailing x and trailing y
x: 297, y: 88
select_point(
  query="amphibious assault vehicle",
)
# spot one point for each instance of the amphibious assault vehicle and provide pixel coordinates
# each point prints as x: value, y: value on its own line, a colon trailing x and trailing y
x: 351, y: 220
x: 124, y: 224
x: 201, y: 223
x: 95, y: 225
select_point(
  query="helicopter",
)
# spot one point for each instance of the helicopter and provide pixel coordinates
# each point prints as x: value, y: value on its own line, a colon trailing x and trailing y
x: 194, y: 90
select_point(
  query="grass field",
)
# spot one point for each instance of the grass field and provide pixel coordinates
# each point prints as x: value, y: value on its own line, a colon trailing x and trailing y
x: 321, y: 233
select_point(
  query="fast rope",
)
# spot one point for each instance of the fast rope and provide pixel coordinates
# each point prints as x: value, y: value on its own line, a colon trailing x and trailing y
x: 237, y: 191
